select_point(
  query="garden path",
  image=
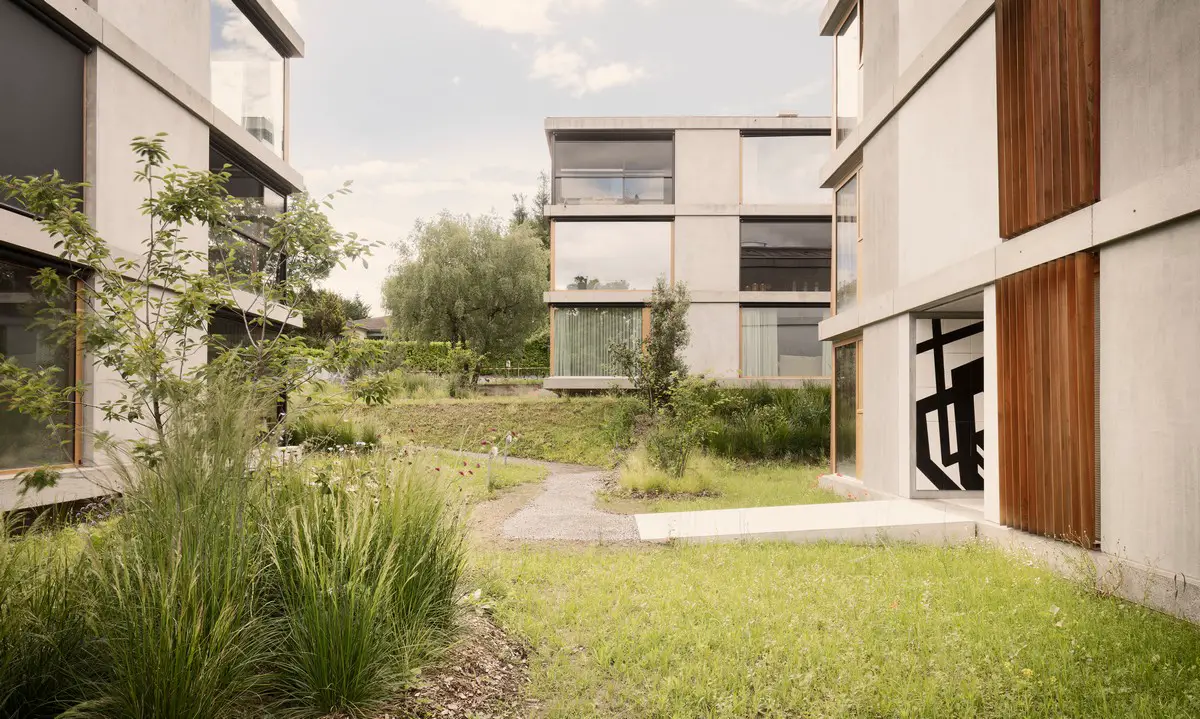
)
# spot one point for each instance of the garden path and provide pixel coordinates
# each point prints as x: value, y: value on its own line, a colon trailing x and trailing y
x: 566, y: 510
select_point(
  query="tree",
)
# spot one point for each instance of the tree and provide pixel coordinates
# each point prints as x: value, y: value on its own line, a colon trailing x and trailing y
x: 535, y: 218
x: 656, y: 364
x: 356, y: 309
x: 324, y: 314
x: 468, y: 279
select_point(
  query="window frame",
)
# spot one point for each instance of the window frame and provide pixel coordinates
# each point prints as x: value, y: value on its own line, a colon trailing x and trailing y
x: 854, y: 9
x: 554, y: 246
x: 815, y: 132
x: 858, y: 203
x: 609, y: 136
x: 645, y: 333
x: 786, y: 220
x: 741, y: 339
x: 859, y: 422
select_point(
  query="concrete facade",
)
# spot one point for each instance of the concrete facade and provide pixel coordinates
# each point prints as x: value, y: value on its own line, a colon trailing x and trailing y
x: 706, y: 212
x: 147, y: 70
x: 925, y: 151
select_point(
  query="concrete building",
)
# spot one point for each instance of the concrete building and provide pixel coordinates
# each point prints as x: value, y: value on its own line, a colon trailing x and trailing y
x: 728, y: 205
x: 83, y: 79
x: 1017, y: 268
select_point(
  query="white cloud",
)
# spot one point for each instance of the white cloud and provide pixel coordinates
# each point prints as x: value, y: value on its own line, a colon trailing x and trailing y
x: 807, y: 90
x: 570, y: 70
x: 783, y: 6
x: 519, y: 17
x: 456, y: 80
x: 360, y: 172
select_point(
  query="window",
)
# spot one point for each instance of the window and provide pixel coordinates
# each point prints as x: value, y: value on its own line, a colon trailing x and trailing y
x: 248, y: 75
x: 783, y: 342
x: 848, y: 76
x: 41, y: 128
x: 791, y: 256
x: 610, y: 255
x: 24, y: 441
x: 614, y: 172
x: 783, y: 170
x: 849, y: 243
x: 246, y: 245
x: 847, y: 408
x: 583, y: 337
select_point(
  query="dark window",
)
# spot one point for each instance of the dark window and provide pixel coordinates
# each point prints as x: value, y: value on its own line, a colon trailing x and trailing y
x: 41, y: 86
x: 258, y: 206
x: 614, y: 171
x: 792, y: 256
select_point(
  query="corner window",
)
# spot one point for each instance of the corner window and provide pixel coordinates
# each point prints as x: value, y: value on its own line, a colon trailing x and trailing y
x: 784, y: 342
x: 247, y: 244
x: 783, y: 170
x: 847, y: 408
x: 41, y: 127
x: 584, y: 336
x: 848, y: 76
x: 849, y: 244
x: 247, y: 75
x: 785, y: 256
x: 614, y: 171
x: 614, y: 255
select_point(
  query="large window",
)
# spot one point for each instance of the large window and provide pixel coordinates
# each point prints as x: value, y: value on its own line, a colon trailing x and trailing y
x: 792, y: 256
x: 848, y: 72
x: 847, y: 409
x: 24, y: 441
x: 248, y: 75
x: 783, y: 170
x: 614, y: 171
x: 611, y: 255
x: 784, y: 342
x: 849, y: 243
x: 41, y: 125
x: 584, y: 336
x: 246, y: 243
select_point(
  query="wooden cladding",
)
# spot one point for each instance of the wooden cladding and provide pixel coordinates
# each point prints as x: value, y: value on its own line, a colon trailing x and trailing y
x: 1046, y: 337
x: 1048, y: 106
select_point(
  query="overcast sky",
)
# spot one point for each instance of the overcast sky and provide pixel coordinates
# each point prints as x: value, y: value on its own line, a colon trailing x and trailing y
x: 439, y: 104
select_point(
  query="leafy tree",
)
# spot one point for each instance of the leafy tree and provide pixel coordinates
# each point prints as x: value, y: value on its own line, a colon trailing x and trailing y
x: 324, y: 314
x: 470, y: 280
x: 656, y: 364
x: 534, y: 217
x: 356, y: 309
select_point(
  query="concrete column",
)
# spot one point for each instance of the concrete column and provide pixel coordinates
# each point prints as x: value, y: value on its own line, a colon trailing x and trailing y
x: 906, y: 409
x: 991, y: 409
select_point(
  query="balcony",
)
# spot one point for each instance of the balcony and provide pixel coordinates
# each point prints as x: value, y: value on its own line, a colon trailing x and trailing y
x: 614, y: 190
x: 614, y: 170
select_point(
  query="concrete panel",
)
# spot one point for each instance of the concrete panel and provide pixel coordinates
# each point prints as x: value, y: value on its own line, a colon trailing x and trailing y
x: 881, y: 33
x: 1149, y: 341
x: 714, y: 346
x: 1151, y: 90
x: 920, y: 21
x: 880, y: 216
x: 948, y: 191
x: 707, y: 167
x: 881, y: 386
x: 176, y: 33
x: 991, y: 407
x: 706, y: 253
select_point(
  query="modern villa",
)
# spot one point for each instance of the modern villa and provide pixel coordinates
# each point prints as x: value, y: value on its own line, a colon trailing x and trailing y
x: 728, y: 205
x: 212, y: 74
x: 1017, y: 267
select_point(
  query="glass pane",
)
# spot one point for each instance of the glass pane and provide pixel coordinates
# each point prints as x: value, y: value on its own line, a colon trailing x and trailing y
x: 849, y: 90
x: 26, y: 442
x: 846, y: 389
x: 786, y: 256
x: 247, y: 75
x: 614, y: 172
x: 611, y: 255
x: 784, y: 342
x: 784, y: 170
x: 847, y: 245
x: 583, y: 337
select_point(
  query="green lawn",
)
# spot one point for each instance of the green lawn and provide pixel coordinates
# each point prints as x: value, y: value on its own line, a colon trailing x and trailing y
x: 559, y: 430
x: 777, y: 630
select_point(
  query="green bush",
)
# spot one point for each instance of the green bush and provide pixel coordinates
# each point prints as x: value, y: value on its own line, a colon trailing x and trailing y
x: 639, y: 475
x: 622, y: 419
x: 329, y: 432
x: 771, y: 423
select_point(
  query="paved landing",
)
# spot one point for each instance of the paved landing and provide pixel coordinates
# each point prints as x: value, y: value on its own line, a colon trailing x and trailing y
x: 867, y: 521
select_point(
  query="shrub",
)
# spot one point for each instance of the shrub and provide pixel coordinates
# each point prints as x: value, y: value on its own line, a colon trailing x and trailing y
x: 621, y: 420
x: 682, y: 427
x: 656, y: 363
x: 640, y: 476
x: 329, y: 431
x: 772, y: 423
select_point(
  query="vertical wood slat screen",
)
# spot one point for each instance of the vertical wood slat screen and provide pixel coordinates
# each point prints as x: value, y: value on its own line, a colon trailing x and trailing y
x: 1048, y: 109
x: 583, y: 335
x: 1046, y: 334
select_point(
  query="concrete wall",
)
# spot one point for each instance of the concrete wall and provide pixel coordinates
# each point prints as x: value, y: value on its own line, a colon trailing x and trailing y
x: 707, y: 251
x: 175, y: 32
x: 1149, y: 342
x: 920, y: 21
x: 1150, y: 90
x: 707, y: 167
x: 883, y: 391
x: 949, y: 194
x: 880, y: 220
x: 714, y: 345
x: 880, y: 28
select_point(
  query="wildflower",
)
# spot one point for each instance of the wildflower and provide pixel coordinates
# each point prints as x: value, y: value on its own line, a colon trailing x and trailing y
x: 470, y: 473
x: 484, y: 443
x: 461, y: 474
x: 1026, y: 672
x: 437, y: 469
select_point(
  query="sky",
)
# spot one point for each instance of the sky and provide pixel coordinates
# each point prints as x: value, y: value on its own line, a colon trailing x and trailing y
x: 428, y: 105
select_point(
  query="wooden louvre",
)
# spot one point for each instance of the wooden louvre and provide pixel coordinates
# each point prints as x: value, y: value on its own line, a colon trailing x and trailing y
x: 1046, y: 336
x: 1048, y: 109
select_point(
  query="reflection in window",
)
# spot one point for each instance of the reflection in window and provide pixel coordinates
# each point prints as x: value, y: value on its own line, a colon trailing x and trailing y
x: 247, y: 75
x: 597, y: 172
x: 846, y: 398
x: 24, y: 441
x: 786, y: 256
x: 583, y: 338
x: 783, y: 342
x: 245, y: 245
x: 848, y: 76
x: 847, y: 245
x: 611, y: 255
x: 784, y: 170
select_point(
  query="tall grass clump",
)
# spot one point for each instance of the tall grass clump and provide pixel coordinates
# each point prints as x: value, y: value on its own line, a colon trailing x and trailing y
x: 640, y: 476
x: 330, y: 431
x: 368, y: 558
x: 767, y: 423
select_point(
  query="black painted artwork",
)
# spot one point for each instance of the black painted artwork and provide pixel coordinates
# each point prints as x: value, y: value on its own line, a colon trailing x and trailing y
x: 966, y: 381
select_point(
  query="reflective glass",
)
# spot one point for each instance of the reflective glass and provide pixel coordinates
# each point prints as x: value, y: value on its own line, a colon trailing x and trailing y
x: 611, y: 255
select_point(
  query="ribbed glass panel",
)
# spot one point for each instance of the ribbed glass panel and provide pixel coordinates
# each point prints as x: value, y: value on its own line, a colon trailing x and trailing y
x: 583, y: 336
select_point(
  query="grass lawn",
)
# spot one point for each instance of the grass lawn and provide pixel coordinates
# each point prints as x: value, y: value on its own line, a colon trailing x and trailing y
x: 559, y: 430
x: 778, y: 630
x: 470, y: 473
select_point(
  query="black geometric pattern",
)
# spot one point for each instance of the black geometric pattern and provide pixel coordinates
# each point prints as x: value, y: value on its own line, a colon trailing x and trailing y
x: 966, y: 381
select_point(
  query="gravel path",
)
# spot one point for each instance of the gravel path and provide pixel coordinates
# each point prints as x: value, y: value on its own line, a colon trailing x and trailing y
x: 566, y: 510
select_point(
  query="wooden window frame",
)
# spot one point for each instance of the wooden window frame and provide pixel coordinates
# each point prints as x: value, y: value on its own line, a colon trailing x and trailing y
x: 852, y: 10
x: 858, y: 406
x: 740, y: 342
x: 670, y: 250
x: 833, y: 286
